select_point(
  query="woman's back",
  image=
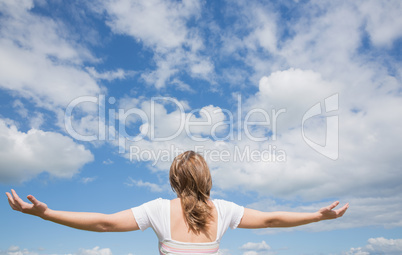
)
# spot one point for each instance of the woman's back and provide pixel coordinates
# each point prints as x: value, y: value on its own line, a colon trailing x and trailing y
x: 180, y: 231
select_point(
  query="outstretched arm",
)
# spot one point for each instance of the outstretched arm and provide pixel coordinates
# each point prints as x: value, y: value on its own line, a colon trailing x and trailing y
x: 257, y: 219
x: 118, y: 222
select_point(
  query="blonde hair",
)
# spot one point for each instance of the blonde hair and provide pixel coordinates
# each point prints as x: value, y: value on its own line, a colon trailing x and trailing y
x: 191, y: 179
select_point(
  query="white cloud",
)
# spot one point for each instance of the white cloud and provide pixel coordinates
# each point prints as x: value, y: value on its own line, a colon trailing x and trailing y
x: 182, y: 86
x: 42, y: 35
x: 108, y: 161
x: 323, y: 36
x: 202, y: 68
x: 95, y: 251
x: 328, y: 38
x: 224, y: 251
x: 83, y: 127
x: 293, y: 90
x: 110, y: 75
x: 20, y: 108
x: 263, y: 26
x: 253, y: 39
x: 163, y: 27
x: 36, y: 77
x: 384, y: 24
x: 39, y: 60
x: 379, y: 245
x: 160, y: 24
x: 209, y: 121
x: 15, y: 250
x: 261, y: 248
x: 324, y: 40
x: 25, y: 155
x: 166, y: 68
x: 157, y: 122
x: 152, y: 186
x: 86, y: 180
x: 37, y: 120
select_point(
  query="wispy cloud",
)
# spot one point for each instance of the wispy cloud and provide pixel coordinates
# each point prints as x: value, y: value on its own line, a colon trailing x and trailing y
x: 86, y: 180
x: 119, y: 74
x: 15, y: 250
x: 261, y: 248
x: 152, y: 186
x: 379, y: 245
x: 108, y: 162
x: 95, y: 251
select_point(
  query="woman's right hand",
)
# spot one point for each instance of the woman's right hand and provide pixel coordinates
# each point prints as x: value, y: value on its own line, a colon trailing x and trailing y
x: 37, y: 208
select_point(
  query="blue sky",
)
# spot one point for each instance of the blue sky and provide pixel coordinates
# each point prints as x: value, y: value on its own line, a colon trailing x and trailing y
x: 294, y: 104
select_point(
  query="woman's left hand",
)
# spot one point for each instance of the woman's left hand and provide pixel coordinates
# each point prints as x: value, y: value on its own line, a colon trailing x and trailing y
x: 328, y: 213
x: 37, y: 208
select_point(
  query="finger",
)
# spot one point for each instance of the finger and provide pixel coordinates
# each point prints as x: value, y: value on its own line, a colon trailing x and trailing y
x: 9, y: 196
x: 33, y: 200
x: 344, y: 207
x: 341, y: 211
x: 15, y: 195
x: 13, y: 206
x: 11, y: 201
x: 333, y: 205
x: 17, y: 200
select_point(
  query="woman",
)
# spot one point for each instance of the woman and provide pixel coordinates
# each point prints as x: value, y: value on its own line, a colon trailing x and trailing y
x: 191, y: 223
